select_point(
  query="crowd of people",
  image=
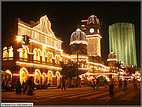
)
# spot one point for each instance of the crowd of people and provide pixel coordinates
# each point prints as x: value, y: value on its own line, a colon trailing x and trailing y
x: 28, y: 86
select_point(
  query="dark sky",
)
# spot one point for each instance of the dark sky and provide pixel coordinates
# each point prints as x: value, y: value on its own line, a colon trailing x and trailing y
x: 65, y: 15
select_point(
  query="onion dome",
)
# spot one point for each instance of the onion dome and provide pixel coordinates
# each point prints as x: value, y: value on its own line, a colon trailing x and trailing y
x: 93, y: 20
x: 78, y: 37
x: 112, y: 57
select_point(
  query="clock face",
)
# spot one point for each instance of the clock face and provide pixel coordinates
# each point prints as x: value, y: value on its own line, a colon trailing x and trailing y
x: 91, y: 30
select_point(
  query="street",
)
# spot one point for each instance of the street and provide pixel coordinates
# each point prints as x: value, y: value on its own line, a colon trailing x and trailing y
x: 77, y: 96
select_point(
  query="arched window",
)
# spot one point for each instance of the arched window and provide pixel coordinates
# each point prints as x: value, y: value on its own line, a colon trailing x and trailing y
x: 43, y: 56
x: 20, y: 53
x: 5, y: 52
x: 50, y: 58
x: 35, y: 54
x: 25, y: 54
x: 38, y: 55
x: 10, y: 51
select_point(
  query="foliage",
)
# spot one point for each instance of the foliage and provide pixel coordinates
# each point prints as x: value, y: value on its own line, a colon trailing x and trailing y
x: 69, y: 70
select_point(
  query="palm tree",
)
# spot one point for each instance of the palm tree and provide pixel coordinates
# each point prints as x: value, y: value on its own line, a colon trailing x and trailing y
x: 78, y: 49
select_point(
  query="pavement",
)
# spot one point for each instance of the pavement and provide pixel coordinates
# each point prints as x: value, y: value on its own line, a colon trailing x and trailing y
x: 77, y: 96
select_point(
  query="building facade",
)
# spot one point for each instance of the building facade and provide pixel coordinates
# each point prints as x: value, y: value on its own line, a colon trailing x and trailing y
x: 41, y: 58
x: 122, y: 43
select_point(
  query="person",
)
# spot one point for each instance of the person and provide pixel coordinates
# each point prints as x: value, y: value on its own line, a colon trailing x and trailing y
x: 3, y: 86
x: 63, y: 84
x: 18, y: 86
x: 120, y: 83
x: 105, y: 83
x: 12, y: 86
x: 125, y: 84
x: 135, y: 83
x: 111, y: 86
x: 30, y: 86
x: 24, y: 87
x: 97, y: 83
x: 94, y: 84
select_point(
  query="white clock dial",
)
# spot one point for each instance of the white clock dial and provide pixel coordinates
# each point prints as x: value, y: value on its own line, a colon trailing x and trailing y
x: 91, y: 30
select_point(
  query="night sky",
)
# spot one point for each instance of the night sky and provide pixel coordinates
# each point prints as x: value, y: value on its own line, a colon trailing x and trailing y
x: 64, y: 17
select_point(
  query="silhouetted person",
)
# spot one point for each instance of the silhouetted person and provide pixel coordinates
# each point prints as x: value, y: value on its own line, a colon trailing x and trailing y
x: 12, y: 86
x: 18, y: 86
x: 24, y: 87
x: 105, y: 83
x: 63, y: 84
x: 97, y: 83
x: 111, y: 86
x: 125, y: 84
x: 94, y: 84
x: 30, y: 86
x: 120, y: 83
x: 135, y: 83
x: 3, y: 86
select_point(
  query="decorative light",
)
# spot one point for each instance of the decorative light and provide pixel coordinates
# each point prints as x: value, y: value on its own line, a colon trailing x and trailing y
x: 95, y: 35
x: 38, y: 65
x: 79, y: 42
x: 111, y: 59
x: 45, y: 45
x: 19, y: 38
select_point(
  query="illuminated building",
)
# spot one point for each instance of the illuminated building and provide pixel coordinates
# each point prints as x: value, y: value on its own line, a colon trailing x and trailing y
x: 122, y: 42
x: 93, y: 36
x: 40, y: 54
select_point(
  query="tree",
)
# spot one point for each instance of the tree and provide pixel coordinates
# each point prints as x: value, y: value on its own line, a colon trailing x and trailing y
x: 69, y: 70
x: 78, y: 49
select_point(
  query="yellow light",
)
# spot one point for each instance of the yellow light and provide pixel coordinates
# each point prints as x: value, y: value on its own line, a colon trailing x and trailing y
x: 45, y: 45
x: 38, y: 65
x: 19, y: 38
x: 84, y: 20
x: 95, y: 35
x: 79, y: 42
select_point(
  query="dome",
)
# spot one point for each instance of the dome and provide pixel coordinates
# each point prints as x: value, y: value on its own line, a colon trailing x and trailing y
x: 78, y: 37
x: 93, y: 19
x: 112, y: 57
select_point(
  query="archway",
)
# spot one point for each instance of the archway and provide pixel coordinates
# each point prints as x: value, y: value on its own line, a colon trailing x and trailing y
x: 50, y: 77
x: 23, y: 75
x: 58, y: 78
x: 37, y: 77
x: 43, y: 78
x: 102, y: 79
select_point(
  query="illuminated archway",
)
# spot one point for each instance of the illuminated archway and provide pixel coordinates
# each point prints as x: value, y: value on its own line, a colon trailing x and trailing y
x: 58, y: 78
x: 50, y: 77
x: 35, y: 54
x: 23, y: 75
x: 37, y: 77
x: 43, y: 78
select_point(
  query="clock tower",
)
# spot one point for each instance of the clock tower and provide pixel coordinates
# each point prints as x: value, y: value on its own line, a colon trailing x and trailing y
x: 93, y: 36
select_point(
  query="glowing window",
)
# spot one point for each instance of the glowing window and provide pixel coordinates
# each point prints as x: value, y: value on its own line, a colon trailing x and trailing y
x: 5, y: 53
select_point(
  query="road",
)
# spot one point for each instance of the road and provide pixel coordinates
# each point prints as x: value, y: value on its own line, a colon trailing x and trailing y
x: 77, y: 96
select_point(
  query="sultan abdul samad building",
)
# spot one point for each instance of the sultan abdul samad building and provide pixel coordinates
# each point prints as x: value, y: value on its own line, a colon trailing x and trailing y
x: 40, y: 54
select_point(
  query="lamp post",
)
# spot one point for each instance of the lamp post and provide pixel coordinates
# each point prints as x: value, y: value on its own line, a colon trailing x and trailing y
x: 77, y: 67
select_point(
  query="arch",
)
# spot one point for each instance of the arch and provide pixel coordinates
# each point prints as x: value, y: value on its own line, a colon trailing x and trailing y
x: 37, y: 78
x: 103, y: 76
x: 43, y: 79
x: 23, y: 75
x: 58, y: 78
x: 50, y: 77
x: 50, y: 56
x: 5, y: 52
x: 35, y: 54
x: 38, y: 54
x: 43, y: 55
x: 10, y: 50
